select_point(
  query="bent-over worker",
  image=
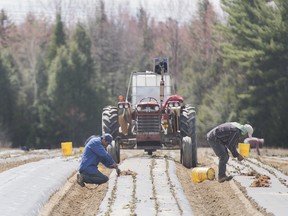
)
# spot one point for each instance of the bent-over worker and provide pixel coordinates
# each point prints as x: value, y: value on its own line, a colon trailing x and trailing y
x: 94, y: 153
x: 226, y: 136
x: 255, y: 143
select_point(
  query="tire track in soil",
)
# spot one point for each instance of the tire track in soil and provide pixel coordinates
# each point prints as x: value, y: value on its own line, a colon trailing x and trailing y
x: 164, y: 192
x: 149, y: 192
x: 171, y: 186
x: 156, y: 204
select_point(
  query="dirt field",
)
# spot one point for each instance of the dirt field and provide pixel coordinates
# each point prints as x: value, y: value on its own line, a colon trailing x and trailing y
x: 205, y: 198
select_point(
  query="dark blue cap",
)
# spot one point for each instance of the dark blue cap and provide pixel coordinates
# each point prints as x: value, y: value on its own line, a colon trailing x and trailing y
x: 108, y: 138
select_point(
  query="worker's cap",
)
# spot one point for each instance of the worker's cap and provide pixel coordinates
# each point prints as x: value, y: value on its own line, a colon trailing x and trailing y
x: 108, y: 137
x: 249, y: 129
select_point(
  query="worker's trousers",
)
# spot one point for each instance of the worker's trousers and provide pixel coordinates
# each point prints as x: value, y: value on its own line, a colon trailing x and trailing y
x: 98, y: 178
x: 221, y: 151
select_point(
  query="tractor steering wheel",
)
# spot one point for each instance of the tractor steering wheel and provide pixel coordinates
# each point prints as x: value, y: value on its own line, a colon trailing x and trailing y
x: 150, y: 99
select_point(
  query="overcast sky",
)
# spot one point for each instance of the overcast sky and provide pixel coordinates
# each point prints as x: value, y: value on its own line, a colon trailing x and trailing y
x: 77, y: 9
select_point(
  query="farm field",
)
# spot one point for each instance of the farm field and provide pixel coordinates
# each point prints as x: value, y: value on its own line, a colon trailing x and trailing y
x: 157, y: 185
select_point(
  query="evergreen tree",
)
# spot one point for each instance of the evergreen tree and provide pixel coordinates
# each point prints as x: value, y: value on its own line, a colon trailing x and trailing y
x: 57, y: 40
x: 13, y: 118
x: 49, y: 127
x: 258, y: 55
x: 59, y: 95
x: 7, y: 101
x: 76, y: 100
x: 8, y: 80
x: 87, y: 95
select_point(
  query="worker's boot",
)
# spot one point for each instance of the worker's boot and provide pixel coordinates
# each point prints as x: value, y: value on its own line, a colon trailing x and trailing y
x: 80, y: 180
x: 224, y: 178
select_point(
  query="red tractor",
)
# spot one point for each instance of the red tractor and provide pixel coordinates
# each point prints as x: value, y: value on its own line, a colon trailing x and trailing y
x: 154, y: 119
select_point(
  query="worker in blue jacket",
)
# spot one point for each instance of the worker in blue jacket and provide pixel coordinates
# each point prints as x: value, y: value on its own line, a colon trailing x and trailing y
x: 94, y: 153
x: 226, y: 136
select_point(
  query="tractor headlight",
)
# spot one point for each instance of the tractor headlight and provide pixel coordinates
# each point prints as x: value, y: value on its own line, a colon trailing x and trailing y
x: 120, y: 106
x: 126, y: 105
x: 139, y: 108
x: 156, y: 108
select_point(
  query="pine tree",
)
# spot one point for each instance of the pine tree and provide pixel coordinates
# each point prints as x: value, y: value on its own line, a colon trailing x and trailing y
x: 258, y: 55
x: 57, y: 40
x: 49, y: 127
x: 10, y: 110
x: 7, y: 97
x: 76, y: 100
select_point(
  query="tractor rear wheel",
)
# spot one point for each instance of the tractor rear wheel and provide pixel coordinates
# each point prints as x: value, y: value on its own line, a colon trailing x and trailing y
x: 188, y: 128
x: 110, y: 121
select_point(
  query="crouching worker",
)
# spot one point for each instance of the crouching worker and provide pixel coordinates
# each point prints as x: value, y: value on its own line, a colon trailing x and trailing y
x: 227, y: 136
x: 94, y: 153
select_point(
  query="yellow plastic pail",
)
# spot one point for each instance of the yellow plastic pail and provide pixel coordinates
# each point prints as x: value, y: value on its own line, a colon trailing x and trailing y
x: 200, y: 174
x: 81, y: 149
x: 66, y: 148
x: 244, y: 149
x: 100, y: 168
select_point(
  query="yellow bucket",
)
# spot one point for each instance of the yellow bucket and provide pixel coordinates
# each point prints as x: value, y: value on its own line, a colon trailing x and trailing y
x: 66, y: 148
x: 81, y: 149
x: 244, y: 149
x: 200, y: 174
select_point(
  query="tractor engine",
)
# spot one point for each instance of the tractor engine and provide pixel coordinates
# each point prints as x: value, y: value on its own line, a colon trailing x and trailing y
x: 148, y: 118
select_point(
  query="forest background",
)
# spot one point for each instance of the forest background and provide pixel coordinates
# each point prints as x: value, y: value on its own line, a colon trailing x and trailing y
x: 56, y: 76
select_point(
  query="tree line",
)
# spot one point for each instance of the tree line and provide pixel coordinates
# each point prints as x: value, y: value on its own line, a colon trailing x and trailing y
x: 56, y: 78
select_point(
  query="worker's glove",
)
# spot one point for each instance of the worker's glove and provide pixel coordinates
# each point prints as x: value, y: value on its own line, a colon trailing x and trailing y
x: 118, y: 171
x: 240, y: 157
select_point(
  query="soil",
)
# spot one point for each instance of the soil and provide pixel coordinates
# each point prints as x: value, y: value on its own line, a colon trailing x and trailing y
x: 205, y: 198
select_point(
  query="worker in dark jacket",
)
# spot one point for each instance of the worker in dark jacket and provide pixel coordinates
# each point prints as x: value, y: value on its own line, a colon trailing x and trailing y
x: 94, y: 153
x: 226, y: 136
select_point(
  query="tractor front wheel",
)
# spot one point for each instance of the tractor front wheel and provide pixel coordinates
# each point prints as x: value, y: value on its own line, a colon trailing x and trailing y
x: 186, y: 153
x: 114, y: 151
